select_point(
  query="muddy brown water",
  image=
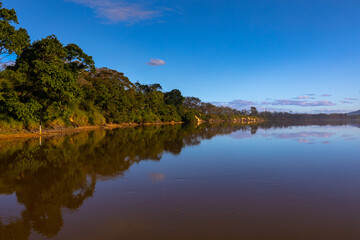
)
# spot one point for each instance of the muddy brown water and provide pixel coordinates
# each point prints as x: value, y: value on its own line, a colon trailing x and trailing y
x: 184, y: 182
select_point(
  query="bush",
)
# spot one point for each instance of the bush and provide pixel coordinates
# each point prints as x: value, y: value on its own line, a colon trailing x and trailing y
x: 55, y: 123
x: 149, y: 117
x: 79, y: 118
x: 32, y: 125
x: 8, y: 123
x: 97, y: 119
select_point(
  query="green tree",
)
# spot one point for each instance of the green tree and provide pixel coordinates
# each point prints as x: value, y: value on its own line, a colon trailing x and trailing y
x: 174, y: 98
x: 12, y: 40
x: 111, y: 92
x: 192, y: 102
x: 253, y: 111
x: 45, y: 74
x: 77, y: 60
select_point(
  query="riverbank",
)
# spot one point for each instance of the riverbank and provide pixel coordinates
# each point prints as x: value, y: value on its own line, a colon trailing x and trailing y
x: 14, y: 134
x: 21, y: 134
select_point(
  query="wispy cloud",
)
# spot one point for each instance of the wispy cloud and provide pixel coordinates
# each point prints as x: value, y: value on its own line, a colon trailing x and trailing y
x: 326, y: 110
x: 304, y: 97
x: 265, y: 103
x: 326, y: 95
x: 346, y: 102
x: 351, y: 99
x: 310, y: 94
x: 156, y: 62
x: 120, y: 10
x: 272, y: 109
x: 236, y: 104
x: 241, y: 103
x: 302, y: 103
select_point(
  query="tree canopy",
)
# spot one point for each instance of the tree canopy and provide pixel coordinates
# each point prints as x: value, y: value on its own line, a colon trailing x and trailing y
x: 44, y: 75
x: 12, y: 40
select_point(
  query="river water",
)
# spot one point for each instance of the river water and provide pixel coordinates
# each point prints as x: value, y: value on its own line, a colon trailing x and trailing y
x: 184, y: 182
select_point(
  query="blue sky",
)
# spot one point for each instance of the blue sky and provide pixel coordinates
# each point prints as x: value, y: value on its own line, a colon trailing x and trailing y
x: 298, y: 55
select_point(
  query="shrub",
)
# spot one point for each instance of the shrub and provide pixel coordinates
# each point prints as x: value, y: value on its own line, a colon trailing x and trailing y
x: 32, y: 125
x: 55, y: 123
x: 79, y: 118
x: 97, y: 118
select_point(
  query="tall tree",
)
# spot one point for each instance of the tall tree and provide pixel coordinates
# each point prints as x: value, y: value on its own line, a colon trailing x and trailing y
x: 46, y: 73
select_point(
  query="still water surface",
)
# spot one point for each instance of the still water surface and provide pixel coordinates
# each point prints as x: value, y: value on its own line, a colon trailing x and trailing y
x: 184, y: 182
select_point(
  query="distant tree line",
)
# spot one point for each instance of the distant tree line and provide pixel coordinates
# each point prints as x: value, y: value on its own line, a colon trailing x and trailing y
x: 287, y: 119
x: 59, y: 84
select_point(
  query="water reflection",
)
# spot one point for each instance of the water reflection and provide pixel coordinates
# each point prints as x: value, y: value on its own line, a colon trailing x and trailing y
x: 61, y: 174
x: 157, y: 177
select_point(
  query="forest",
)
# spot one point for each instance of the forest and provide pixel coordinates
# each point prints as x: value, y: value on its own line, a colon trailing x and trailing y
x: 58, y: 85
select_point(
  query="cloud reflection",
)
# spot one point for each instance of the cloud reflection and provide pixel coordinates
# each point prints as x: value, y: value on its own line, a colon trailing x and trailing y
x: 302, y: 135
x: 157, y: 177
x: 303, y: 140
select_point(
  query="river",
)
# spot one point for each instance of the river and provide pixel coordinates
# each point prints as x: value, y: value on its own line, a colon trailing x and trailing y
x: 220, y: 181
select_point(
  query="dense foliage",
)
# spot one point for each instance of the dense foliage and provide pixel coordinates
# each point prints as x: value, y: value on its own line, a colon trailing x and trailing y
x: 60, y: 85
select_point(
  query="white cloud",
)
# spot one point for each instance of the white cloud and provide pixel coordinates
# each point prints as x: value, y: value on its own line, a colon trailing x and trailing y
x: 302, y: 103
x: 119, y: 11
x: 236, y: 104
x: 156, y: 62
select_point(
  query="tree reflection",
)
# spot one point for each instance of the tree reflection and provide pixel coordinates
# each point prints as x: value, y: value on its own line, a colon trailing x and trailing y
x: 62, y: 173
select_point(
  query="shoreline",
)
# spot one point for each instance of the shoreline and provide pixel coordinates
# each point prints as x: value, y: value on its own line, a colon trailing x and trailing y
x: 8, y: 135
x: 69, y: 130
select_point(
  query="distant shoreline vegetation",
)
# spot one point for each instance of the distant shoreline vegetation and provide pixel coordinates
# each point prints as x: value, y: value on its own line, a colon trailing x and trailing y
x: 56, y: 86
